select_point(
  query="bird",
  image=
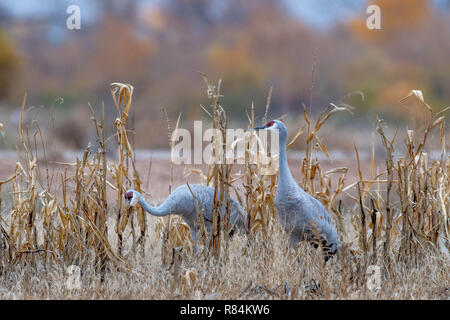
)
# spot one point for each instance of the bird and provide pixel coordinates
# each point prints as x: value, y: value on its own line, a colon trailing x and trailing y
x: 181, y: 202
x: 302, y: 216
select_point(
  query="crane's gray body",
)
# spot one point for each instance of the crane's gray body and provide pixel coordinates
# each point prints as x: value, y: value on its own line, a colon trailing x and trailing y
x: 181, y: 202
x: 302, y: 216
x: 305, y: 218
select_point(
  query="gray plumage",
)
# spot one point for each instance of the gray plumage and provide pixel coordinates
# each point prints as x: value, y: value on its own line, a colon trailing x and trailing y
x: 181, y: 202
x: 301, y: 215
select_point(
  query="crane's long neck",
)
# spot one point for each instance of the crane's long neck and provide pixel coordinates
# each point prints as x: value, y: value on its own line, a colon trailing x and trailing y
x: 284, y: 174
x: 156, y: 211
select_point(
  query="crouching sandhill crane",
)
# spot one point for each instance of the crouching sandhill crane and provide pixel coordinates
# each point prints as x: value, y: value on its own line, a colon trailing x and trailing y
x: 301, y: 215
x: 181, y: 202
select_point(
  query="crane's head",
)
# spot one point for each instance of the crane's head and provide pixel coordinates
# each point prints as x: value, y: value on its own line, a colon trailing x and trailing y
x: 132, y: 197
x: 272, y: 126
x: 275, y: 125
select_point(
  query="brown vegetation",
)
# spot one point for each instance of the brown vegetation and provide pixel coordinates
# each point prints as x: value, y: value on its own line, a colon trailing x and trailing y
x: 396, y: 219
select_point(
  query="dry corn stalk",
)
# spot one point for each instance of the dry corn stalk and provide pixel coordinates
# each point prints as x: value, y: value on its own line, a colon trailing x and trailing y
x: 122, y: 96
x: 74, y: 227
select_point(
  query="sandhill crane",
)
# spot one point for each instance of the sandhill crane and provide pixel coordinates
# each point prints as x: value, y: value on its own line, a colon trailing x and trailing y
x: 301, y: 215
x: 181, y: 202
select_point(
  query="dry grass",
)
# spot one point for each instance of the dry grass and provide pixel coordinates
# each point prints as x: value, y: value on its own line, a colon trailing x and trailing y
x: 396, y: 219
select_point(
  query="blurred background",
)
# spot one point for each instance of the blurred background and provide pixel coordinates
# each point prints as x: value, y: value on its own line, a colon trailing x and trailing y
x: 315, y: 51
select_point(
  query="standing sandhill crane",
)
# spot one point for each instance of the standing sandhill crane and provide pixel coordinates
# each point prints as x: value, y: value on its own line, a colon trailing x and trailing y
x: 181, y: 202
x: 301, y: 215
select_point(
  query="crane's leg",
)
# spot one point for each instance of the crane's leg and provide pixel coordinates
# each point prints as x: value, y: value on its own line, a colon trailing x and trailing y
x: 194, y: 239
x: 294, y: 241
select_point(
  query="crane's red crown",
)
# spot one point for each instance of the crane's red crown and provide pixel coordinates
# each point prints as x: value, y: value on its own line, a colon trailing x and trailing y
x: 270, y: 124
x: 128, y: 195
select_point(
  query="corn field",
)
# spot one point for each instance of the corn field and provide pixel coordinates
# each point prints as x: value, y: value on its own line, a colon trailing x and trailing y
x: 394, y: 219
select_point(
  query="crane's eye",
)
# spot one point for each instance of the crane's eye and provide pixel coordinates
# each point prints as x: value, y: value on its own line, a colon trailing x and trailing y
x: 270, y: 124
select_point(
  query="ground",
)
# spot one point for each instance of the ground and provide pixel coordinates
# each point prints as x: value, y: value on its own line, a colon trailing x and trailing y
x: 261, y: 266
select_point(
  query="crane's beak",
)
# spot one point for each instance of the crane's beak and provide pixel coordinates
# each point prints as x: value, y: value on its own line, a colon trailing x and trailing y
x: 256, y: 128
x: 259, y: 128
